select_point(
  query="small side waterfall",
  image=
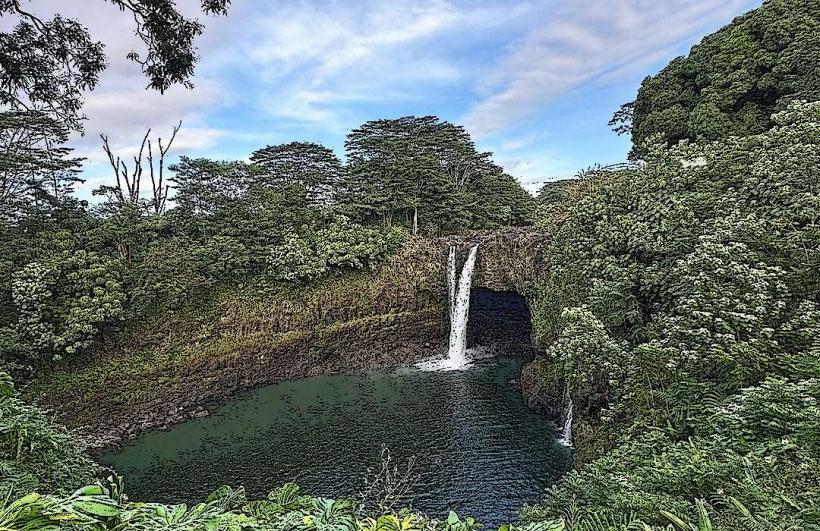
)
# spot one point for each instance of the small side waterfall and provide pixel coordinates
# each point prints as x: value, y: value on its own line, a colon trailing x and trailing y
x: 459, y: 306
x: 566, y: 432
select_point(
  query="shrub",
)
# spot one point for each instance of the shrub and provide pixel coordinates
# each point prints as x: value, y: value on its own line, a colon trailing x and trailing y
x: 63, y: 302
x: 36, y: 453
x: 332, y: 249
x: 693, y: 290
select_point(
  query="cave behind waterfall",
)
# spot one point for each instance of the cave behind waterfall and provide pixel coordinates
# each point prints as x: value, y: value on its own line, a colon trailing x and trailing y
x: 499, y: 318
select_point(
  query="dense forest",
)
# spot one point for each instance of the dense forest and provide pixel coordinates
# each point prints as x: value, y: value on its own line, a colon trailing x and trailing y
x: 674, y: 306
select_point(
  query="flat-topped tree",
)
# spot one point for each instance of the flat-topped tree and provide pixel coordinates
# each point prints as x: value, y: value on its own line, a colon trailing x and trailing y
x: 310, y: 165
x: 419, y: 167
x: 46, y: 65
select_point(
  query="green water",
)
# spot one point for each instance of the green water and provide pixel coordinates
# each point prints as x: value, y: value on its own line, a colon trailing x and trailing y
x: 478, y: 449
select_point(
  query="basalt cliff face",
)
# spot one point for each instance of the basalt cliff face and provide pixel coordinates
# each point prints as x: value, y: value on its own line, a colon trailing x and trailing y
x: 508, y: 260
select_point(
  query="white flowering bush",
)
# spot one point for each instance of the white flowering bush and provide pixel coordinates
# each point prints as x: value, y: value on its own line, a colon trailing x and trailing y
x: 725, y: 321
x: 63, y: 302
x: 589, y: 359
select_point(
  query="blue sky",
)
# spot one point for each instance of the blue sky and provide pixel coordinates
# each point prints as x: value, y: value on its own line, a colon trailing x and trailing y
x: 535, y: 82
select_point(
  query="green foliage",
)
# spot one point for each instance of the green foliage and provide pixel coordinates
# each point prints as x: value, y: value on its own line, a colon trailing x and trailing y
x: 689, y: 348
x: 733, y: 81
x: 96, y: 507
x: 36, y: 453
x: 553, y: 192
x: 48, y: 64
x: 426, y: 173
x: 38, y: 171
x: 588, y: 359
x: 311, y: 166
x: 62, y: 303
x: 206, y: 186
x: 331, y: 249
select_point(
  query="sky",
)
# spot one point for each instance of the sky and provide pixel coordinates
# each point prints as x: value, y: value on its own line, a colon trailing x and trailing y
x: 535, y: 82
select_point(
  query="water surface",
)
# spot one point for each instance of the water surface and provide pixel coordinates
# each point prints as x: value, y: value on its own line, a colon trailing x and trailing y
x: 478, y: 449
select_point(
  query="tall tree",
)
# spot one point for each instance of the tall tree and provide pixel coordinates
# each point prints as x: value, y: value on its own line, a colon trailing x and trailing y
x: 47, y: 64
x: 420, y: 168
x: 36, y: 170
x: 204, y: 186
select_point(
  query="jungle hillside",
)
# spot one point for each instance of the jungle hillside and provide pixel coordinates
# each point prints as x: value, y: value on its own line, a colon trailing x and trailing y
x: 665, y: 309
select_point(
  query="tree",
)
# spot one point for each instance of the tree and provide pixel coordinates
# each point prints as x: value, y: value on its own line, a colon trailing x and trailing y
x: 389, y: 161
x: 127, y: 190
x: 237, y: 200
x: 733, y: 81
x: 46, y: 65
x: 36, y: 169
x: 126, y: 207
x: 310, y: 165
x: 427, y: 171
x: 692, y: 338
x: 204, y: 186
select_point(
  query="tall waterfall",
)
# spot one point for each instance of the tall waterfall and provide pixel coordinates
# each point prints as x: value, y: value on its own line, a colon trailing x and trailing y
x: 459, y: 306
x: 566, y: 432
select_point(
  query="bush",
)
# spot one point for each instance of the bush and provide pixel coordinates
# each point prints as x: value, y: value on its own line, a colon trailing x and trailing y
x: 63, y: 302
x: 690, y: 345
x: 35, y: 453
x: 332, y: 249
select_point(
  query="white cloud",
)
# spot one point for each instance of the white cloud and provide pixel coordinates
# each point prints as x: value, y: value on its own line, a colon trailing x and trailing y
x: 315, y: 60
x: 273, y: 69
x: 583, y: 41
x: 517, y: 143
x: 338, y: 36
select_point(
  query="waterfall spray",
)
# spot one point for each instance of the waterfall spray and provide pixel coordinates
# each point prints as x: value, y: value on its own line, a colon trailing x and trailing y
x: 459, y: 307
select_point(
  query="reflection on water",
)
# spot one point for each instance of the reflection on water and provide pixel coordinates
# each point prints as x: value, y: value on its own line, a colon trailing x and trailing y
x: 478, y: 449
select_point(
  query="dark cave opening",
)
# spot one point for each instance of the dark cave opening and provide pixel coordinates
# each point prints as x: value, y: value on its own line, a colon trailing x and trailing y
x: 498, y: 318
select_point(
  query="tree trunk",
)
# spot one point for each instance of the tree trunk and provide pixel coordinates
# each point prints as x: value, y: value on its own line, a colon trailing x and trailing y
x: 415, y: 220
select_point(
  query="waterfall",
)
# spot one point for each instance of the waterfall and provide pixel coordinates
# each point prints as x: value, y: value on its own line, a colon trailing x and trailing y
x: 451, y: 280
x: 566, y: 432
x: 459, y: 306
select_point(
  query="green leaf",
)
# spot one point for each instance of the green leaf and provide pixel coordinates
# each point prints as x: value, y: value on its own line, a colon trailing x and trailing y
x: 103, y: 507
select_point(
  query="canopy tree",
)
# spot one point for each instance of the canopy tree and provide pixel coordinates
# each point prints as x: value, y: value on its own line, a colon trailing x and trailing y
x: 234, y: 199
x: 36, y: 170
x: 424, y: 169
x: 204, y: 186
x: 309, y: 165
